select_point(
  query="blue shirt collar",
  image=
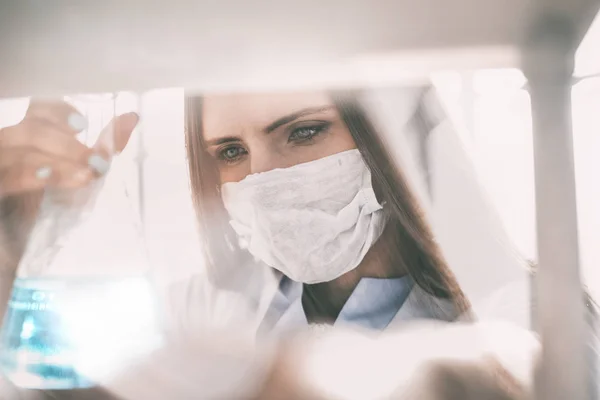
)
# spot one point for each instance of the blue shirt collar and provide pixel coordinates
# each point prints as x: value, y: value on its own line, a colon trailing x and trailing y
x: 373, y: 304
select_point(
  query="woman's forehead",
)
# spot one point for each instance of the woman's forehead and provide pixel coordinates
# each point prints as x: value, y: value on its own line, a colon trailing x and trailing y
x: 226, y: 113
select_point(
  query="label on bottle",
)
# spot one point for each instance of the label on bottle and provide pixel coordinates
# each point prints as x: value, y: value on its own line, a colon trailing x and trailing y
x: 71, y: 333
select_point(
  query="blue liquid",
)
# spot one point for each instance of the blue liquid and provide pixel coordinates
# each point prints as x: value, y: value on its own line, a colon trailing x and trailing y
x: 39, y: 346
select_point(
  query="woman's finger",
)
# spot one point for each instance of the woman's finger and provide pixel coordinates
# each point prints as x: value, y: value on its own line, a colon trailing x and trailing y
x: 22, y: 180
x: 26, y: 155
x: 115, y: 136
x: 44, y: 138
x: 40, y: 171
x: 58, y: 113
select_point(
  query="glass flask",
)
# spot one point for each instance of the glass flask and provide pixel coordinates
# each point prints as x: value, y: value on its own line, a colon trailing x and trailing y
x: 82, y: 304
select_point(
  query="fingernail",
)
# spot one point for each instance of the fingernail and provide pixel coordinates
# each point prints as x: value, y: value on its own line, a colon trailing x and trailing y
x: 77, y: 121
x: 43, y: 173
x: 98, y: 163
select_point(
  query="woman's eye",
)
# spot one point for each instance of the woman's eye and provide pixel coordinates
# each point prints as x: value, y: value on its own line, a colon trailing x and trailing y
x: 306, y: 133
x: 231, y: 154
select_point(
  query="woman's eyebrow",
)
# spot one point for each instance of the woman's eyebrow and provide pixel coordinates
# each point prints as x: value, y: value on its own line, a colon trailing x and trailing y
x: 219, y: 141
x: 294, y: 116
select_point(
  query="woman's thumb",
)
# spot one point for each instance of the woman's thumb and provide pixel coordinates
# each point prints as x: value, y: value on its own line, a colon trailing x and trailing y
x: 116, y: 134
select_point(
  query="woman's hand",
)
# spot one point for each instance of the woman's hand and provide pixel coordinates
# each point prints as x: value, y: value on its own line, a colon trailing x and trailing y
x: 43, y: 151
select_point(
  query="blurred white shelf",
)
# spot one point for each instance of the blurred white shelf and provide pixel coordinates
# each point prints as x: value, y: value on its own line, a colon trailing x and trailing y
x: 60, y: 46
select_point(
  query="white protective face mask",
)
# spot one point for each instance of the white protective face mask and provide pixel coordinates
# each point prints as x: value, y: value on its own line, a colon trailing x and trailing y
x: 313, y: 222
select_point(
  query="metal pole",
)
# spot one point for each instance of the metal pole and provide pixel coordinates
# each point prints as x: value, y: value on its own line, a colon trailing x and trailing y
x: 140, y: 160
x: 560, y: 315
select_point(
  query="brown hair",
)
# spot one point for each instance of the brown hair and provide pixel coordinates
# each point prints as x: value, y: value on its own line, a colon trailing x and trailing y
x: 418, y: 251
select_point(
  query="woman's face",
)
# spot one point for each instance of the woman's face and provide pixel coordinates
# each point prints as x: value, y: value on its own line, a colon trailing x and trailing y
x: 250, y: 133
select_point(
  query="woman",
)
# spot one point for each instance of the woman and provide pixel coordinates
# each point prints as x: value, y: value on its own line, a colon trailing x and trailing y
x: 290, y: 172
x: 373, y: 257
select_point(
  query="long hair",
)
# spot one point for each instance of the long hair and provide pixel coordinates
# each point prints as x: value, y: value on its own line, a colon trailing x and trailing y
x: 417, y: 250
